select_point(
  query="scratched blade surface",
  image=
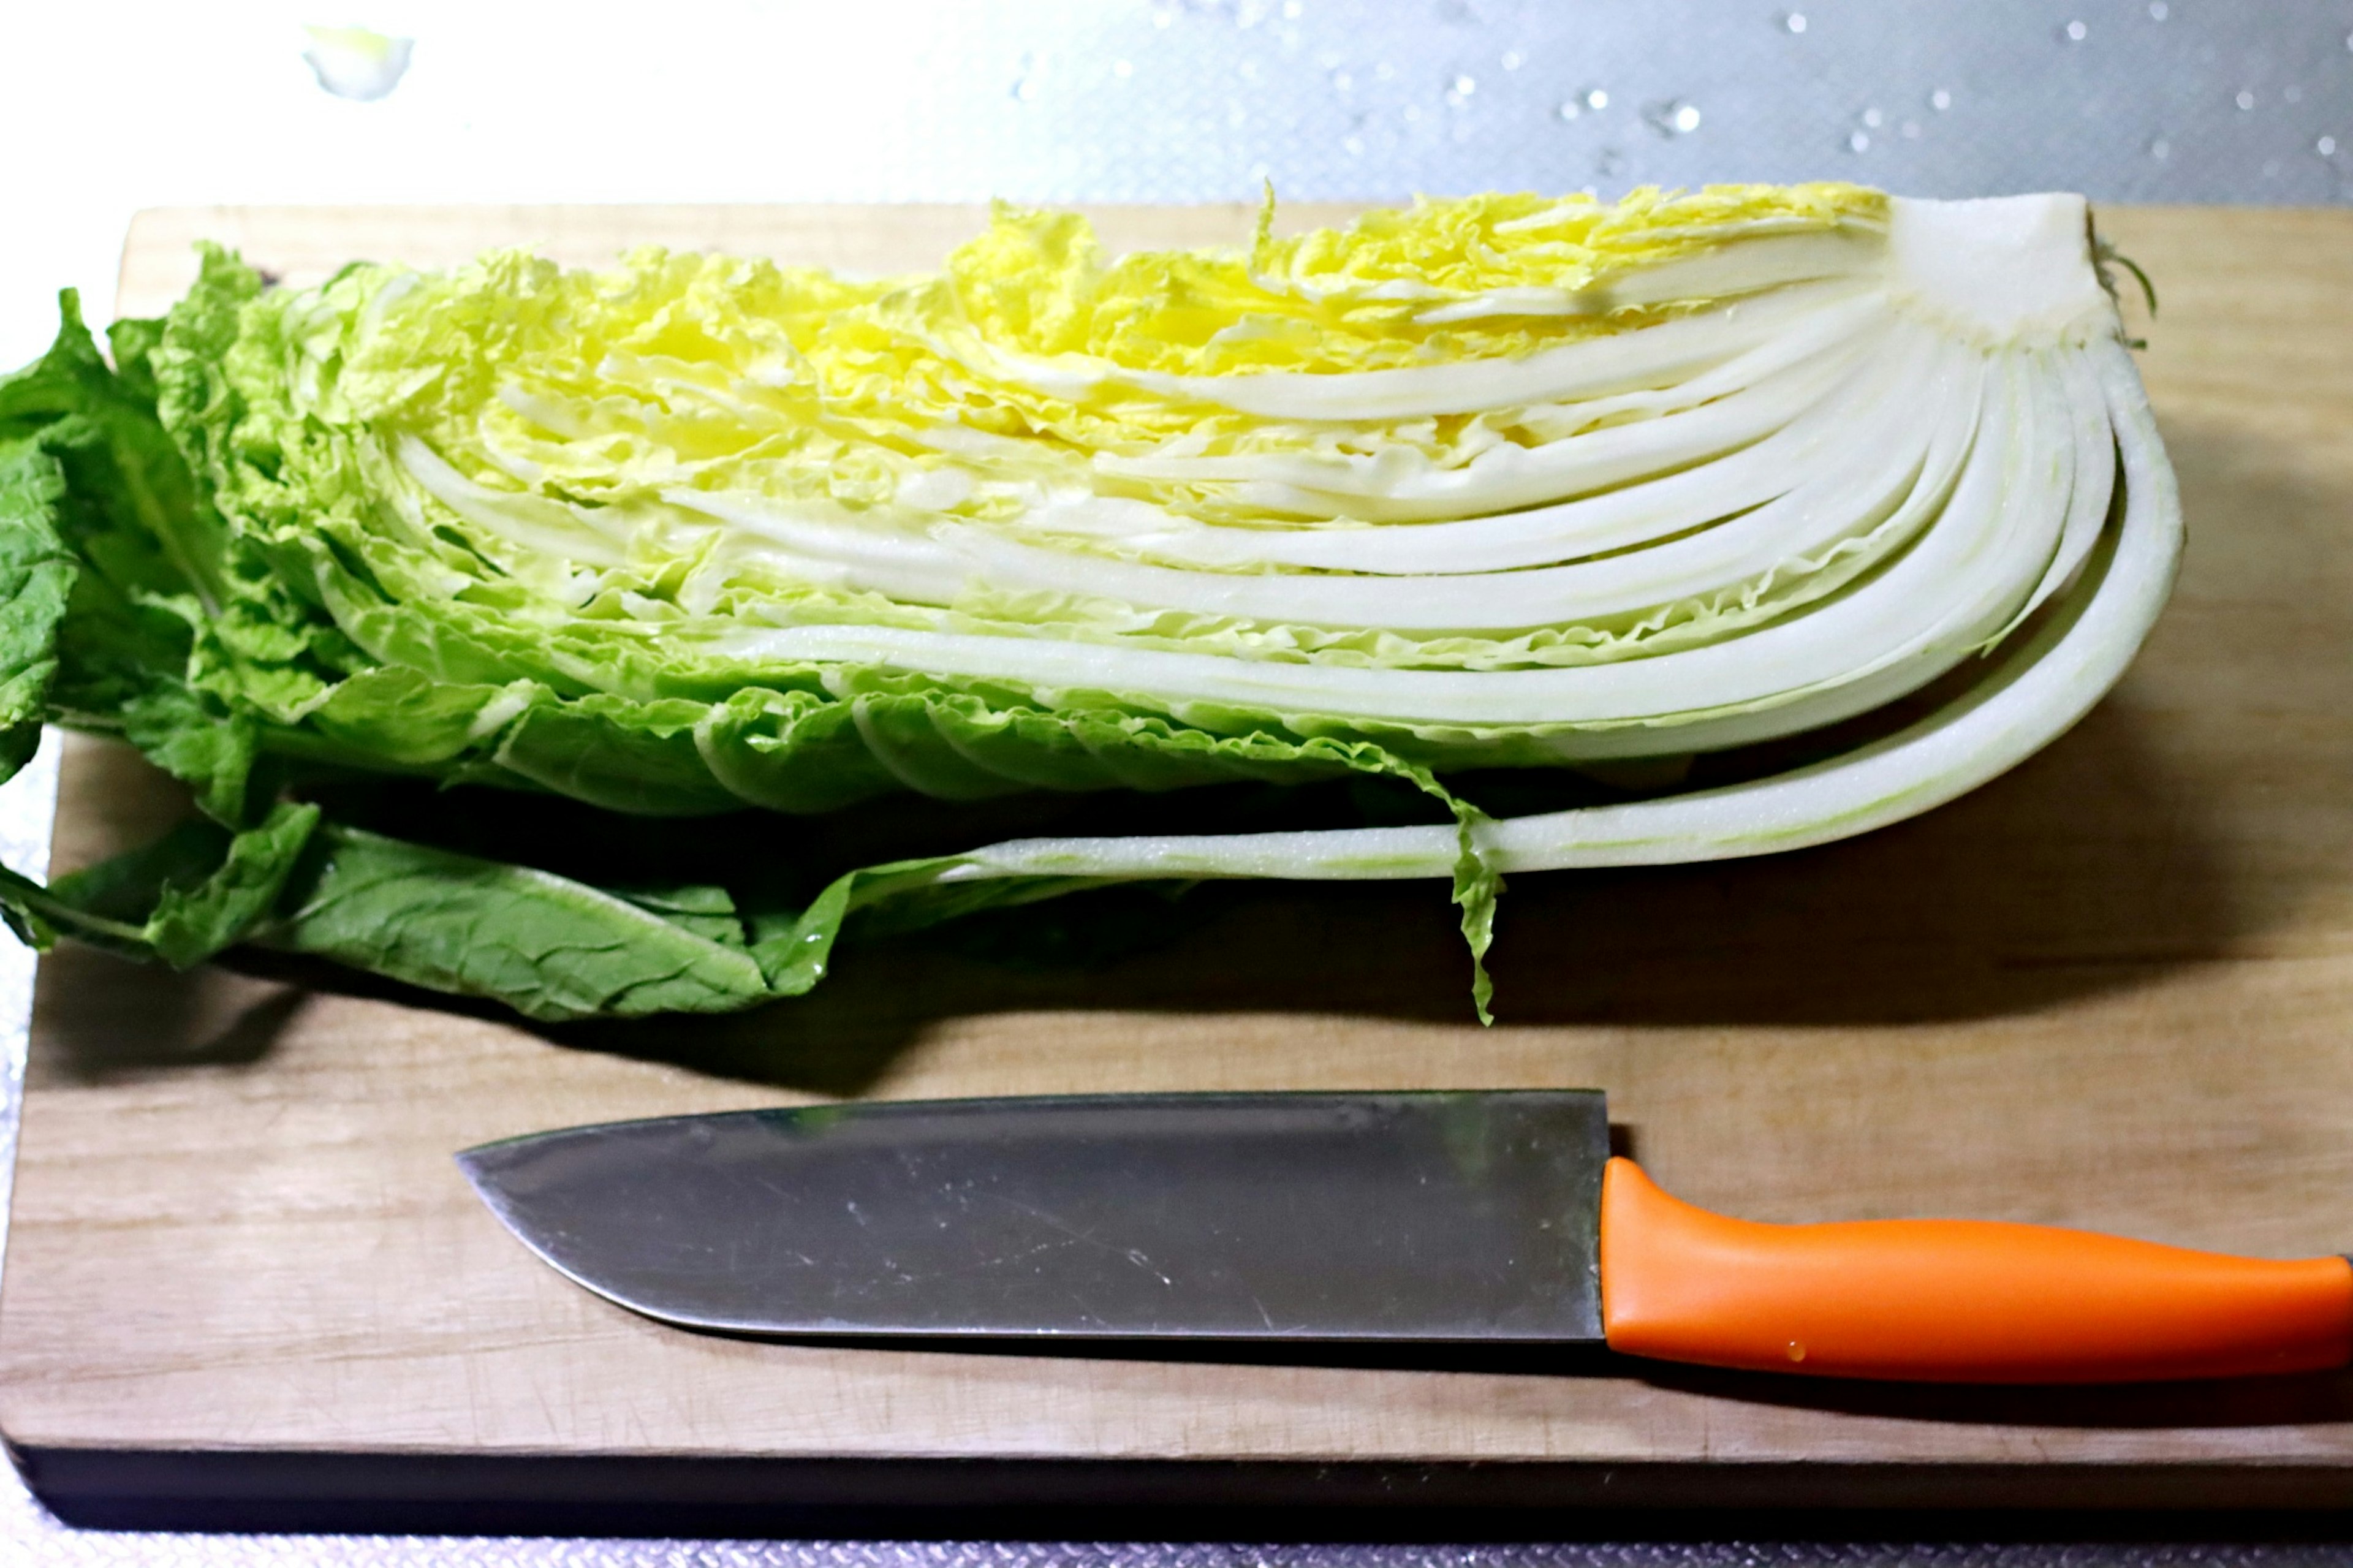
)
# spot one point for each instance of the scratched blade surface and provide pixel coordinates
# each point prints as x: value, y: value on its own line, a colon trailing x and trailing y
x: 1314, y: 1216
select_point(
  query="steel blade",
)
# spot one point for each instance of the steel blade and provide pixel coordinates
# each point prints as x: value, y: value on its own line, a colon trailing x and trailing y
x: 1437, y: 1216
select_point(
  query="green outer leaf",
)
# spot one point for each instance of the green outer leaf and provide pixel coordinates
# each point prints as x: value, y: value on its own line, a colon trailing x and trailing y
x: 889, y: 901
x: 551, y: 948
x: 105, y: 549
x: 708, y: 911
x: 555, y: 949
x: 180, y: 900
x: 213, y: 755
x: 623, y: 755
x: 191, y: 925
x: 1477, y: 885
x: 37, y: 579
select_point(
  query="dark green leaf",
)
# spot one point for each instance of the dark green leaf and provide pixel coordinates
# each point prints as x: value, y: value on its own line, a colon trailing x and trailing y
x: 549, y: 947
x: 194, y: 891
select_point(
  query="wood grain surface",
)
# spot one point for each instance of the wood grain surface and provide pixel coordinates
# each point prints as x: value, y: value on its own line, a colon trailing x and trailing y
x: 2113, y: 989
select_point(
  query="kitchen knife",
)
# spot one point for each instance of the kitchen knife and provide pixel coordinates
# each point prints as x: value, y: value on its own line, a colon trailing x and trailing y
x: 1495, y: 1218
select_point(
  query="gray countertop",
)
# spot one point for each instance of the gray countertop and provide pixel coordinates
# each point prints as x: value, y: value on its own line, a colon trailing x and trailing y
x: 1170, y: 100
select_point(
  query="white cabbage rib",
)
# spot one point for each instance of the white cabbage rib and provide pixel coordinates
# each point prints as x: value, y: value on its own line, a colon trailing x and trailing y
x: 2036, y: 692
x: 1884, y: 450
x: 1966, y: 567
x: 1402, y: 484
x: 1616, y: 520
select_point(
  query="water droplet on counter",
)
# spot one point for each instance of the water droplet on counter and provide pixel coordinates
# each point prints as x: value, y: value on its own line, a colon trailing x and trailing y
x: 1672, y: 118
x: 2160, y: 149
x: 1859, y: 142
x: 1569, y: 109
x: 2245, y: 99
x: 1940, y: 101
x: 1795, y: 21
x: 1341, y: 81
x: 1293, y: 10
x: 356, y: 63
x: 1459, y: 89
x: 1596, y: 99
x: 2076, y: 32
x: 2158, y: 10
x: 1911, y: 131
x: 2325, y: 146
x: 1873, y: 117
x: 1608, y: 161
x: 1353, y: 145
x: 2293, y: 93
x: 1513, y: 59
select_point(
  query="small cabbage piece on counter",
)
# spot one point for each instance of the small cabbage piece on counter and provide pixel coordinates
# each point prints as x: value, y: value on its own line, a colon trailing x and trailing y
x: 1499, y: 483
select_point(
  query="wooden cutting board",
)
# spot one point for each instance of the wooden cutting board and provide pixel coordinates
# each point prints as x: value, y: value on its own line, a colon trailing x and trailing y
x: 2113, y: 989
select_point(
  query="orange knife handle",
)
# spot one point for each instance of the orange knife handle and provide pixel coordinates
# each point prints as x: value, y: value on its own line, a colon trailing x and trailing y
x: 1952, y: 1300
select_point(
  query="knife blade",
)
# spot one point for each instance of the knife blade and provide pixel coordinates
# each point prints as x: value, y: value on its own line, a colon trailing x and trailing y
x: 1487, y: 1217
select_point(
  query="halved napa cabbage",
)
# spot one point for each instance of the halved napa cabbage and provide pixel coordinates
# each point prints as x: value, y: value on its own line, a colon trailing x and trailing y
x: 1495, y: 482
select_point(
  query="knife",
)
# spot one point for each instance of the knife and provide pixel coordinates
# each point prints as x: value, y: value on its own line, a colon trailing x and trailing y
x: 1496, y: 1218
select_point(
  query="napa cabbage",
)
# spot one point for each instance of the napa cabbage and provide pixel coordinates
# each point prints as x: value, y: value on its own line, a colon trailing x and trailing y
x: 1502, y: 483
